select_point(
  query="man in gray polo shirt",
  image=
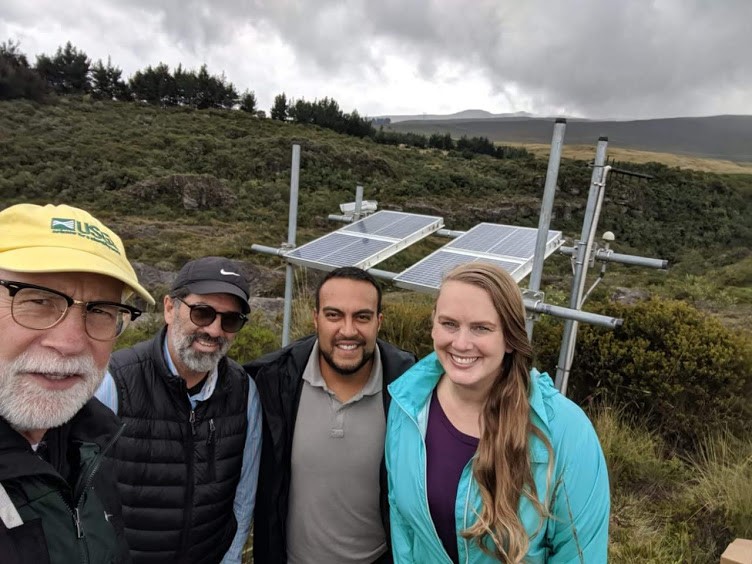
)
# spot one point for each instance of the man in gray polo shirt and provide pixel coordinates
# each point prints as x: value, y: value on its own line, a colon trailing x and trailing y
x: 321, y: 493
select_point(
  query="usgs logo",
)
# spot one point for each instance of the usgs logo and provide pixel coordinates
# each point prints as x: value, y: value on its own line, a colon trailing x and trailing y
x: 65, y: 225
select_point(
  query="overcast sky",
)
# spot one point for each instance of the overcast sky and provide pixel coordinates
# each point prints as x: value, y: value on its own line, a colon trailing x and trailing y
x: 587, y: 58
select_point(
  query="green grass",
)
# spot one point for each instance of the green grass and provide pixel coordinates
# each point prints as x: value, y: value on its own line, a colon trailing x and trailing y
x: 669, y: 509
x: 723, y: 482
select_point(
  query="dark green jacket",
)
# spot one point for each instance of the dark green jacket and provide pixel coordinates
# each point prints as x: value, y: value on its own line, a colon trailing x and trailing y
x: 68, y: 500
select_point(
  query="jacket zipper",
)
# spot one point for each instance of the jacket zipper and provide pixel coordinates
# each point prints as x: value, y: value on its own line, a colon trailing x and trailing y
x: 464, y: 522
x: 190, y: 486
x: 98, y: 461
x: 75, y: 514
x: 76, y: 511
x: 192, y: 421
x: 211, y: 446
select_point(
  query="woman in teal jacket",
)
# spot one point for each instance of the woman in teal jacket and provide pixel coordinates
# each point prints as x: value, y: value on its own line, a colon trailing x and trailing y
x: 487, y: 461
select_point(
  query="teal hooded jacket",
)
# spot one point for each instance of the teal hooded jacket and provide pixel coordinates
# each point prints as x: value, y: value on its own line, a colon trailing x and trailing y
x: 577, y: 495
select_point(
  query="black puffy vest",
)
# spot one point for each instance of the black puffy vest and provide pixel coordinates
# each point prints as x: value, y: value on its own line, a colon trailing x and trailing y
x: 177, y: 469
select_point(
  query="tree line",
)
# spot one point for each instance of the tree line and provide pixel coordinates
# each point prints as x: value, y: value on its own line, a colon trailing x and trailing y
x: 70, y: 72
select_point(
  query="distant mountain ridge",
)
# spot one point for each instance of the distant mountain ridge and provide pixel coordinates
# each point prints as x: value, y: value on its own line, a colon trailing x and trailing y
x: 720, y: 137
x: 465, y: 114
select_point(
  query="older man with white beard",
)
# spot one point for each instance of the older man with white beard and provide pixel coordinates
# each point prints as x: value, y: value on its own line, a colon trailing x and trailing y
x: 63, y: 276
x: 188, y: 460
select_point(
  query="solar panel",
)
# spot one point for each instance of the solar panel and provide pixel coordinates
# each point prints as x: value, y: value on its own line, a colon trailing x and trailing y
x: 511, y: 248
x: 390, y: 224
x: 366, y: 242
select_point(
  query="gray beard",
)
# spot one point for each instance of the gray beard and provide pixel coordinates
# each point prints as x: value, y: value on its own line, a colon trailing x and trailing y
x: 195, y: 360
x: 28, y: 407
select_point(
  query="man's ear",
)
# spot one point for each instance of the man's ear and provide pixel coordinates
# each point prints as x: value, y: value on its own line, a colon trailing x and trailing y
x: 169, y: 309
x: 315, y: 317
x: 380, y: 318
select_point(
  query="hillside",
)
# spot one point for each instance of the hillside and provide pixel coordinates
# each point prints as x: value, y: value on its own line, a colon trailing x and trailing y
x: 719, y: 137
x: 179, y: 182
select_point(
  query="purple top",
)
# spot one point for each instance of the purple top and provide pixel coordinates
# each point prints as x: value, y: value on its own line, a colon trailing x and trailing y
x: 447, y: 452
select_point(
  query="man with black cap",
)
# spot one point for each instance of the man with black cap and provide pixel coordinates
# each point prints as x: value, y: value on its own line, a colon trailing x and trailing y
x: 63, y: 278
x: 188, y: 459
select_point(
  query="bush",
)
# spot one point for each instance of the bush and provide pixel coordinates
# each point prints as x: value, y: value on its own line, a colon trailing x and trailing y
x: 253, y: 341
x: 680, y: 371
x: 408, y: 324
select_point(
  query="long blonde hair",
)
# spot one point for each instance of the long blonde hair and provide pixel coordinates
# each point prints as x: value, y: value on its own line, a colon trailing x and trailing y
x: 502, y: 464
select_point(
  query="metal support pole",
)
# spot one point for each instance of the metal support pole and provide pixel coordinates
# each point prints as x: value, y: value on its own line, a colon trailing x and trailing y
x: 358, y: 202
x: 547, y: 204
x: 338, y: 217
x: 607, y: 255
x: 449, y: 233
x: 269, y: 250
x: 573, y: 314
x: 569, y: 338
x: 382, y: 274
x: 601, y: 274
x: 292, y: 226
x: 594, y: 225
x: 535, y: 305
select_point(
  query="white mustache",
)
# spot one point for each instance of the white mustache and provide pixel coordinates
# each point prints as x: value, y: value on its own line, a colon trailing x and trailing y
x: 54, y: 365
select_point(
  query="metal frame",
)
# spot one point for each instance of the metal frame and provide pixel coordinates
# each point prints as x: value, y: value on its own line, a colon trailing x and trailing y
x: 584, y: 253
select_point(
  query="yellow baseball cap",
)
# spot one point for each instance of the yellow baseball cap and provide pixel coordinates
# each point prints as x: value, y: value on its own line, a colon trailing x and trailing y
x: 63, y: 239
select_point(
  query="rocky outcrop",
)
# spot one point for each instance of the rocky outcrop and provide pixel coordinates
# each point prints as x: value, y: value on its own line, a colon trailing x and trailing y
x: 629, y: 296
x: 192, y: 191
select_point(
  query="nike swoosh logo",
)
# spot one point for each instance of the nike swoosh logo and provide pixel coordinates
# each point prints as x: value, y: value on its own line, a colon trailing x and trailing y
x: 227, y: 273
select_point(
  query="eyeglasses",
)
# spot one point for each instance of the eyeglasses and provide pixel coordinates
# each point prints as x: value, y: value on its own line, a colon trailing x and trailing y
x: 203, y: 315
x: 37, y: 307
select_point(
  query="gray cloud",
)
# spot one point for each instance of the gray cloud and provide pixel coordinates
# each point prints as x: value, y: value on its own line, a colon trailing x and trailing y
x: 587, y: 57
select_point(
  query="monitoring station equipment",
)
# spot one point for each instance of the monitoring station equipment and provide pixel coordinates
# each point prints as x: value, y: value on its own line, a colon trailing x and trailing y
x: 372, y: 236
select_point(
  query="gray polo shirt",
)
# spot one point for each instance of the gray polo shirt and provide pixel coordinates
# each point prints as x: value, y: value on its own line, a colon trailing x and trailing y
x: 334, y: 515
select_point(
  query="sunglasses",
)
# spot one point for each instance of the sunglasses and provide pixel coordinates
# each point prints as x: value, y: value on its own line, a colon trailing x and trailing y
x: 203, y: 315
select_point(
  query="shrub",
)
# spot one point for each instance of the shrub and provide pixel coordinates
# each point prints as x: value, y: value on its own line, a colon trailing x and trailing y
x: 253, y: 341
x: 408, y: 324
x: 142, y: 329
x: 678, y: 370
